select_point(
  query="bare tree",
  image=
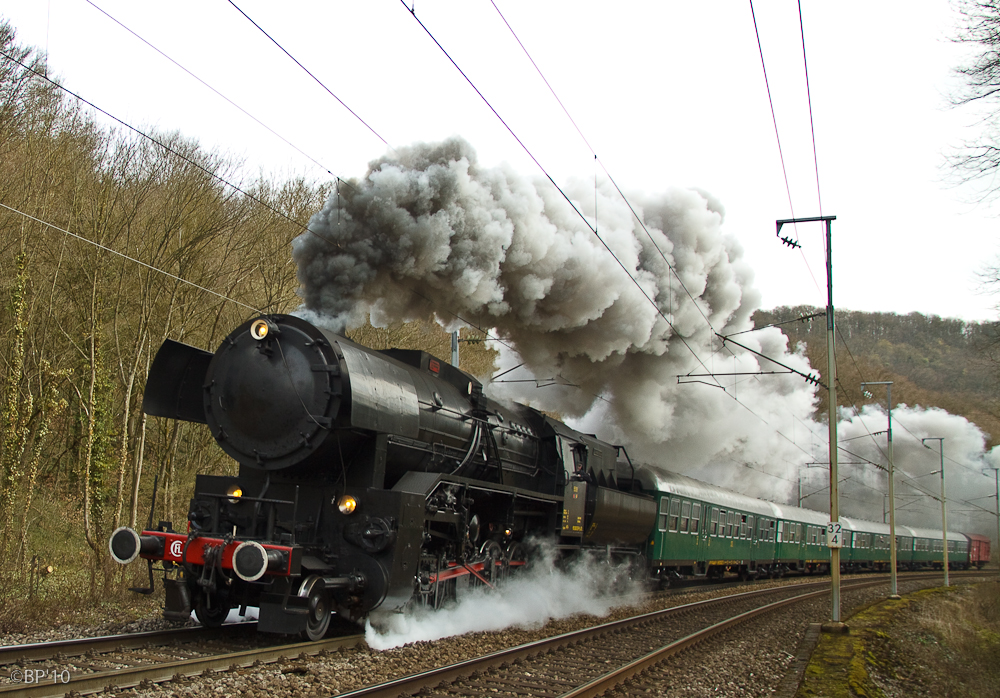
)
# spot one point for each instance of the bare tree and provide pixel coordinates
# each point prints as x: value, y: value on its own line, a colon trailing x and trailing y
x: 979, y: 160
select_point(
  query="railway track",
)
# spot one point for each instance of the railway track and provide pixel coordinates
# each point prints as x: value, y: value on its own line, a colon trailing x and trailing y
x: 598, y: 659
x: 625, y: 647
x: 89, y: 665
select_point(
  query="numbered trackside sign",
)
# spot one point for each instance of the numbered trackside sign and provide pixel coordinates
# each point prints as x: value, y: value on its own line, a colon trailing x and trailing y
x: 834, y: 535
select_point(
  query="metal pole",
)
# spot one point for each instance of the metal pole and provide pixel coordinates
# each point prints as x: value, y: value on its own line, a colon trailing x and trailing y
x: 944, y: 510
x: 831, y: 372
x: 454, y: 349
x: 893, y: 585
x: 831, y: 379
x: 944, y: 518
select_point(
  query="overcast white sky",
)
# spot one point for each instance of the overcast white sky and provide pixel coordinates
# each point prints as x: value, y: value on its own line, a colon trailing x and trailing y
x: 667, y: 93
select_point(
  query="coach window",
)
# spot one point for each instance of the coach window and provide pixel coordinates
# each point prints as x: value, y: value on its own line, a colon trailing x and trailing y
x: 743, y: 525
x: 685, y: 516
x: 798, y: 532
x: 770, y: 530
x: 662, y: 525
x: 750, y: 522
x: 731, y: 529
x: 695, y: 517
x: 675, y: 509
x: 713, y: 529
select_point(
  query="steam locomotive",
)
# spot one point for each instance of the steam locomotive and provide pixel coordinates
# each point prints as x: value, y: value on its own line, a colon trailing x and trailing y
x: 380, y: 479
x: 367, y: 479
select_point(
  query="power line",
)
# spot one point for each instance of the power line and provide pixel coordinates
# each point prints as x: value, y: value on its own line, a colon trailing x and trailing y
x: 131, y: 259
x: 812, y: 124
x: 318, y: 81
x: 169, y: 149
x: 217, y: 92
x: 781, y: 155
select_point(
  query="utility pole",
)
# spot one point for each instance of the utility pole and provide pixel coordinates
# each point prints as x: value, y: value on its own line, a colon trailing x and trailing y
x: 834, y: 533
x: 996, y: 473
x: 893, y: 586
x: 944, y: 510
x: 454, y: 349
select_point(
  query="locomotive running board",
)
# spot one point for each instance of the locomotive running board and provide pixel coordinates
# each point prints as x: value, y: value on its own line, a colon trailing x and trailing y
x: 175, y: 381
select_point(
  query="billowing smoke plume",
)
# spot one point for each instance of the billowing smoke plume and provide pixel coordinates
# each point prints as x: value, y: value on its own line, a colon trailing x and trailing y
x: 429, y: 233
x: 917, y: 467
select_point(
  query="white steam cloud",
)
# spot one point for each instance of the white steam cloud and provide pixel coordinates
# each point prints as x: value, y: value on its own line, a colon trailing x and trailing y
x: 429, y: 233
x: 542, y: 593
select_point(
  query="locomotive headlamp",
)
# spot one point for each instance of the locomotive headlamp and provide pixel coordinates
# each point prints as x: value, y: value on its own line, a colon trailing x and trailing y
x: 234, y: 492
x: 347, y: 504
x: 262, y: 327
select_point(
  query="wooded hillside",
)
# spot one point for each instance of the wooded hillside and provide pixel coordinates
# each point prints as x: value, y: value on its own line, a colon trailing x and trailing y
x: 932, y: 361
x: 111, y: 242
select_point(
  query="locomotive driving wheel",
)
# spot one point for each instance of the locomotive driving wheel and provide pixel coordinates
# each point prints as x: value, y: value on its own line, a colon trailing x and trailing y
x: 319, y: 606
x: 493, y: 560
x: 515, y: 560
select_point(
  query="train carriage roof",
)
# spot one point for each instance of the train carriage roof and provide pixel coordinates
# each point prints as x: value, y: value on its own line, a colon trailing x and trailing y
x: 656, y: 479
x: 662, y: 481
x: 869, y: 526
x: 935, y: 534
x: 790, y: 513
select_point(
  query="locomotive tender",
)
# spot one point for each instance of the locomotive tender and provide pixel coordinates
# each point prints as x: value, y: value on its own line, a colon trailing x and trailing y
x: 377, y: 479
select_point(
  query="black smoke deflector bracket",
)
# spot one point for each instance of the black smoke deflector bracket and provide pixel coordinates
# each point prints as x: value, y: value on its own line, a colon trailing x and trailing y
x: 175, y: 382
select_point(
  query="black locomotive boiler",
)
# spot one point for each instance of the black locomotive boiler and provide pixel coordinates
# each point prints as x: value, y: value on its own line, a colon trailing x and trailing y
x: 367, y: 479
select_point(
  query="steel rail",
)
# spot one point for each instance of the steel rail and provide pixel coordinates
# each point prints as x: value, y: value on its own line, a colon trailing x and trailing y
x: 614, y: 678
x: 128, y: 678
x: 604, y: 683
x: 411, y: 685
x: 429, y: 679
x: 38, y: 651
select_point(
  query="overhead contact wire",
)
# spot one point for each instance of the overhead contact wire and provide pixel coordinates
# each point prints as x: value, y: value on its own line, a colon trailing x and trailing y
x: 812, y: 125
x: 627, y: 202
x: 781, y: 154
x: 603, y: 166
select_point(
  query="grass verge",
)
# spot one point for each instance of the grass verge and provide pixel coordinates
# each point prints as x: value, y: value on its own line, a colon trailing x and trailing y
x: 934, y: 642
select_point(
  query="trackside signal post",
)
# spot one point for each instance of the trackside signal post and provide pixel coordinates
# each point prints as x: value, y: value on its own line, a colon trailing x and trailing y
x: 833, y: 528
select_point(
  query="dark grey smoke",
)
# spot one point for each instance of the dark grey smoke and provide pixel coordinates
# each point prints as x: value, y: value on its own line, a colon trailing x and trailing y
x: 429, y: 233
